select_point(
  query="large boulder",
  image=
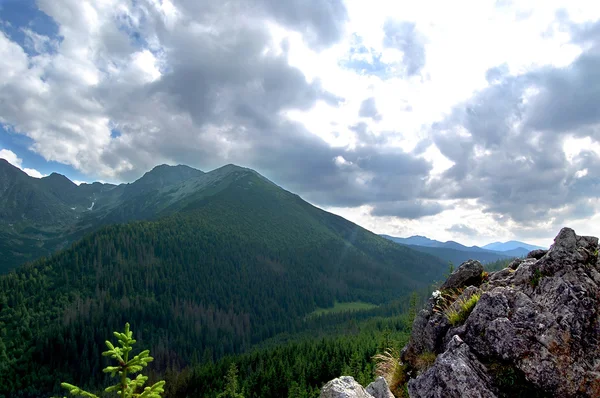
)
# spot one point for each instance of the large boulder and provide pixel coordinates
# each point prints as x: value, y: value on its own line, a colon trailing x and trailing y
x: 456, y: 373
x: 537, y: 321
x: 344, y: 387
x: 380, y: 389
x: 469, y: 273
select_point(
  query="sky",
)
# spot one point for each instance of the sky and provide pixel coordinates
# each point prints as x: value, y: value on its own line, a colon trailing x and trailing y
x: 474, y: 121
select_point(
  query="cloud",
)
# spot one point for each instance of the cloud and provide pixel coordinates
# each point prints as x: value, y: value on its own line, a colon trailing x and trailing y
x: 463, y: 230
x: 409, y: 209
x: 13, y: 159
x: 369, y: 109
x: 507, y: 143
x: 509, y: 135
x: 404, y: 36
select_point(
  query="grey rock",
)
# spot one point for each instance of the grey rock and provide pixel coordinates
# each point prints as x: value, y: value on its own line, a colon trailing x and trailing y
x: 515, y: 263
x: 537, y: 254
x: 540, y: 316
x: 344, y: 387
x: 429, y: 329
x: 469, y: 273
x: 380, y: 389
x: 457, y: 373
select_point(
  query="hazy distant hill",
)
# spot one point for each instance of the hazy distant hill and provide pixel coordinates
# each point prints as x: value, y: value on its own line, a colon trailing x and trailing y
x: 511, y: 245
x: 458, y: 253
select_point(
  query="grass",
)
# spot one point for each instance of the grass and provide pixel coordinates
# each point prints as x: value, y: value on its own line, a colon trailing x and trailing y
x: 389, y: 367
x: 425, y: 360
x: 456, y: 317
x: 343, y: 307
x: 535, y: 279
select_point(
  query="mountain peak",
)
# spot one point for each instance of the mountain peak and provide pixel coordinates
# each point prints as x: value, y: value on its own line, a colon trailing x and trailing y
x: 6, y: 165
x: 164, y: 175
x: 56, y: 178
x: 181, y: 168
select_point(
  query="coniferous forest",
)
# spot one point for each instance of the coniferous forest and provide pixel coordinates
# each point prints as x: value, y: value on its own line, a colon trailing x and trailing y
x: 229, y: 276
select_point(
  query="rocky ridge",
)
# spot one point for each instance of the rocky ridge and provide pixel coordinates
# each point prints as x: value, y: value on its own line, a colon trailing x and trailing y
x: 529, y: 330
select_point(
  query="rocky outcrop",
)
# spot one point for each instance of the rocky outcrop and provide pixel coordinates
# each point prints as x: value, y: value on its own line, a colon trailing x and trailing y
x: 344, y: 387
x: 347, y: 387
x: 455, y: 373
x: 469, y: 273
x: 535, y: 328
x: 380, y: 389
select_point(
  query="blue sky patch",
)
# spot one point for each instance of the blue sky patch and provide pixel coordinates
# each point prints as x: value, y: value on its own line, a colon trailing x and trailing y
x: 19, y: 15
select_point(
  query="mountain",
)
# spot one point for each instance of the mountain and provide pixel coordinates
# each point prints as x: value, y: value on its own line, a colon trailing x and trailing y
x: 518, y: 252
x: 223, y: 261
x: 458, y: 253
x: 460, y: 256
x: 511, y: 245
x: 455, y: 252
x: 418, y: 240
x: 41, y: 215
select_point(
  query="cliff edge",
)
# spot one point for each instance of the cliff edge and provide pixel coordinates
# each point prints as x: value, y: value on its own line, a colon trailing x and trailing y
x: 529, y: 330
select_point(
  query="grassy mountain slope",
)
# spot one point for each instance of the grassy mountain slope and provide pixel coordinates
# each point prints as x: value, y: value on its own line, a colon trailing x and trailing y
x: 227, y: 266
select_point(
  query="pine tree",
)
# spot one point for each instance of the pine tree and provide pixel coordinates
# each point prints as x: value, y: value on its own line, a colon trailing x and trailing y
x: 231, y: 386
x: 126, y: 388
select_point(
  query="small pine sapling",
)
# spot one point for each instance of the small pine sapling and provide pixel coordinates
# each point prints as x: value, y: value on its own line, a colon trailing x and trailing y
x: 126, y: 388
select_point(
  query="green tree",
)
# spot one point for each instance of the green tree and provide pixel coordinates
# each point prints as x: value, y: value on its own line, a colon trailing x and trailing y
x: 231, y: 386
x: 126, y: 388
x: 412, y: 309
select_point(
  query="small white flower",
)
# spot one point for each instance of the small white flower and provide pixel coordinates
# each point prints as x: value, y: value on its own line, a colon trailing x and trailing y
x: 436, y: 294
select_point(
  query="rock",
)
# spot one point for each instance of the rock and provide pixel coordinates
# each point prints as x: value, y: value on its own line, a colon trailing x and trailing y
x: 344, y: 387
x: 539, y: 318
x: 429, y: 329
x: 380, y: 389
x: 469, y: 273
x: 457, y: 373
x: 537, y: 254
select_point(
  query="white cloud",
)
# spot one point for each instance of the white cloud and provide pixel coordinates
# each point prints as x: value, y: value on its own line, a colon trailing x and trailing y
x: 127, y: 66
x: 13, y: 159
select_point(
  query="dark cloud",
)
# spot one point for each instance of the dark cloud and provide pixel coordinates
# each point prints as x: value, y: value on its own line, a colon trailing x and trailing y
x: 568, y: 97
x: 340, y: 177
x: 409, y: 209
x: 405, y: 37
x: 320, y: 22
x: 507, y: 143
x: 369, y: 109
x: 463, y: 230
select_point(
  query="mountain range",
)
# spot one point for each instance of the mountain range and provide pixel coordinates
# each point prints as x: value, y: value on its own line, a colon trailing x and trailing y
x: 203, y: 265
x: 457, y: 253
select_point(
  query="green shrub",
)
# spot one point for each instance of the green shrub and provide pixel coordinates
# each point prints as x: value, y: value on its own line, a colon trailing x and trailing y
x: 535, y: 278
x: 458, y: 316
x: 425, y: 360
x: 126, y: 388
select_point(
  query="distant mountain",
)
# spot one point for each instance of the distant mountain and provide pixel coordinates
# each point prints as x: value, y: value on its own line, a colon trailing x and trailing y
x: 413, y: 240
x: 418, y: 240
x: 456, y: 252
x: 228, y: 260
x: 457, y: 257
x: 518, y: 252
x: 511, y: 245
